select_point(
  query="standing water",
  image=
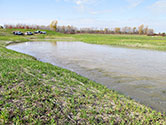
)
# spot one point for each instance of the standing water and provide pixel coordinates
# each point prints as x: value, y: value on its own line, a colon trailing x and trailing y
x: 138, y: 73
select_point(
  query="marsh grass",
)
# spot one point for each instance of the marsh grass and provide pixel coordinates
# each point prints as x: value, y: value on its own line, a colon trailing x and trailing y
x: 33, y: 92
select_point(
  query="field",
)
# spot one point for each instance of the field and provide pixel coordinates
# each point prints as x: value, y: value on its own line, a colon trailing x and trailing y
x: 136, y: 41
x: 33, y: 92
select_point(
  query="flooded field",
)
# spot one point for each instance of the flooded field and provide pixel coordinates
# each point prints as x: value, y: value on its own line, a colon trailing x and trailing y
x: 138, y: 73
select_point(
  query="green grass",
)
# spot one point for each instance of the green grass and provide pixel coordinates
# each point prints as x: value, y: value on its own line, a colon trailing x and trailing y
x: 136, y: 41
x: 33, y: 92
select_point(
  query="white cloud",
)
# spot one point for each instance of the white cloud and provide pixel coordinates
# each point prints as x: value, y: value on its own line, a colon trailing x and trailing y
x: 134, y: 3
x: 85, y: 6
x: 159, y: 7
x: 101, y: 12
x: 82, y: 2
x: 78, y: 2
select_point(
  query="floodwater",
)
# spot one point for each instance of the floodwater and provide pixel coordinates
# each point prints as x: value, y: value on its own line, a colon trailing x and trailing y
x: 137, y: 73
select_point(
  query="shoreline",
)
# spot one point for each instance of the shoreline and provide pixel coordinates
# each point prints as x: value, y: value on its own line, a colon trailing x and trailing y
x: 127, y: 96
x: 75, y: 99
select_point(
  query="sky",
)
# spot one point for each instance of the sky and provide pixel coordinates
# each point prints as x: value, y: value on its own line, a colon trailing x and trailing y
x: 86, y: 13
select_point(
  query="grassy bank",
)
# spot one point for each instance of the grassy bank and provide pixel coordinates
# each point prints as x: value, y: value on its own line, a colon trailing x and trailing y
x: 136, y: 41
x: 40, y: 93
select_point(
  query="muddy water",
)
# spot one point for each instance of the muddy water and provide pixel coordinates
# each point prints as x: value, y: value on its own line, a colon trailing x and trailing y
x: 138, y: 73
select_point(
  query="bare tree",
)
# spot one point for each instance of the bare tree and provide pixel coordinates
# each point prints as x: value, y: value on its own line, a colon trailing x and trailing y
x: 72, y: 30
x: 134, y: 30
x: 141, y: 29
x: 150, y: 32
x: 146, y: 30
x: 117, y: 30
x: 53, y: 25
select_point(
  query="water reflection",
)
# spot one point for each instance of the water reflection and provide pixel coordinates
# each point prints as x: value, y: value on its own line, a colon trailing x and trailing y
x: 137, y: 73
x: 54, y: 43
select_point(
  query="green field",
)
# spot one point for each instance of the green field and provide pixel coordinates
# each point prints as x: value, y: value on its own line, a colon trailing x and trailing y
x: 33, y: 92
x: 136, y: 41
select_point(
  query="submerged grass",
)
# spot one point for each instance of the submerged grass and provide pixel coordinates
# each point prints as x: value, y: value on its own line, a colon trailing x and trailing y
x: 33, y: 92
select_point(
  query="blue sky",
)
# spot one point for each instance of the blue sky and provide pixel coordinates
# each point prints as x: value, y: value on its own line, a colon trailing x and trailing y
x: 86, y: 13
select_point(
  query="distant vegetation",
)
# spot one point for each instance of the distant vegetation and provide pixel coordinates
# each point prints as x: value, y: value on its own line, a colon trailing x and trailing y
x: 141, y: 30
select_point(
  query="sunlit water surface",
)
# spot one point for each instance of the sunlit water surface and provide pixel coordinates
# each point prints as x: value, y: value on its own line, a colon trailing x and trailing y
x: 138, y: 73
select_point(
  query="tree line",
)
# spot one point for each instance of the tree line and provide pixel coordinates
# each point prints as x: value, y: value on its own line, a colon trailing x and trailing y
x: 142, y: 30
